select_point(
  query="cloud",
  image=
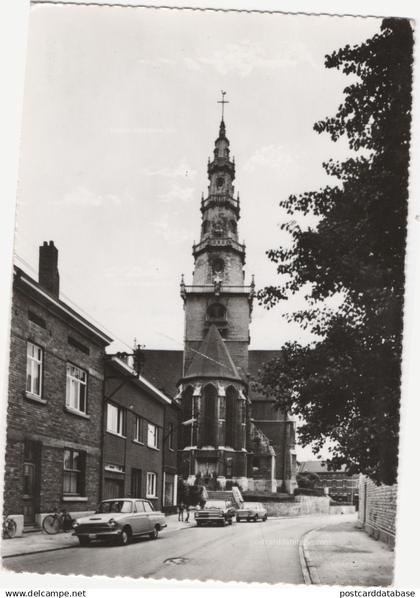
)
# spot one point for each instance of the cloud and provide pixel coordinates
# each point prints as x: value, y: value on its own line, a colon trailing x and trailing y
x: 271, y: 156
x: 180, y: 171
x: 142, y: 130
x: 242, y: 58
x: 86, y: 198
x: 177, y: 193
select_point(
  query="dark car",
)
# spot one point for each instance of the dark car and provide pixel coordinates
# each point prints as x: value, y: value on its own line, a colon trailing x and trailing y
x: 217, y: 512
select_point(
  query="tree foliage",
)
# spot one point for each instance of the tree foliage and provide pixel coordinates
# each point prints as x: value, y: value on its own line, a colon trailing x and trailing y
x: 346, y: 387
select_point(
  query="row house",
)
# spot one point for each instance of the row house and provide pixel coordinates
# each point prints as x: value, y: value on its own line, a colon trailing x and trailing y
x: 140, y: 428
x: 54, y: 417
x: 63, y: 443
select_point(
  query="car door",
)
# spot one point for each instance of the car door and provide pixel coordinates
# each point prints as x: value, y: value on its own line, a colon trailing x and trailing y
x: 140, y: 518
x: 151, y: 516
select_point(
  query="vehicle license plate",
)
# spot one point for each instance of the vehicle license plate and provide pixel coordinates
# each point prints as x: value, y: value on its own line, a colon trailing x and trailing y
x: 92, y: 536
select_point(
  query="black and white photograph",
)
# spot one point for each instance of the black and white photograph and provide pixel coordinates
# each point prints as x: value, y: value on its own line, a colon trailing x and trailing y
x: 207, y: 296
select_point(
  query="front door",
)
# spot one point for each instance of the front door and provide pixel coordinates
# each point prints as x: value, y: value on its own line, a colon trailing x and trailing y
x: 31, y: 469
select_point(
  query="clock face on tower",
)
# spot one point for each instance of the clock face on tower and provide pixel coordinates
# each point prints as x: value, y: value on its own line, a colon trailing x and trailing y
x: 219, y: 182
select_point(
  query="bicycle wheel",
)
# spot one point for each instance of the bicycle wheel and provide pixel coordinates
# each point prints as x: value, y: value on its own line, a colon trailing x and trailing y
x: 10, y: 528
x: 51, y: 524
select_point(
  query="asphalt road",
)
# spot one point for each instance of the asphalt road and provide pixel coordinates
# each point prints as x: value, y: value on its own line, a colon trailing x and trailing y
x: 260, y: 552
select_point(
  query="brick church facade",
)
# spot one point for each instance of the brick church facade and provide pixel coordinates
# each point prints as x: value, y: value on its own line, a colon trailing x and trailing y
x: 231, y: 435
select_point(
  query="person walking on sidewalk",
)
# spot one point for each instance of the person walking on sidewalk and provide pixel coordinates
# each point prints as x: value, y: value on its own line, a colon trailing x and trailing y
x: 181, y: 508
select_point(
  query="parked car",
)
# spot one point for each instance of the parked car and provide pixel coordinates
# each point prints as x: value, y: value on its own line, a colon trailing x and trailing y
x: 120, y: 519
x: 218, y: 512
x: 251, y: 511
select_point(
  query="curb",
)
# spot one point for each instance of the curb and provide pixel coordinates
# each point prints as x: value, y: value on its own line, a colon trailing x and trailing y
x: 17, y: 554
x: 9, y: 556
x: 309, y: 569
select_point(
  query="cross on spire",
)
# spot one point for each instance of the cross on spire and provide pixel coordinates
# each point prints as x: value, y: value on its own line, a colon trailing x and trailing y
x: 223, y: 102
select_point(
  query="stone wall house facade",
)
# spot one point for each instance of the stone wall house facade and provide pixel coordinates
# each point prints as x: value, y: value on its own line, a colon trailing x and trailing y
x: 139, y: 448
x: 55, y: 405
x: 378, y: 509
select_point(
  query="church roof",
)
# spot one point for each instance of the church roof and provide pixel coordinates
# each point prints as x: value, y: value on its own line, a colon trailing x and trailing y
x: 213, y: 359
x: 164, y: 368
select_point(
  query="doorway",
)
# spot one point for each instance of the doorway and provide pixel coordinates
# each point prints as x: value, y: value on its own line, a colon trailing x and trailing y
x: 31, y: 476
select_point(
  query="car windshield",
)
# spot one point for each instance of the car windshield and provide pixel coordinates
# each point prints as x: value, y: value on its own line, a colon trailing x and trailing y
x: 252, y: 505
x: 215, y: 504
x: 115, y: 506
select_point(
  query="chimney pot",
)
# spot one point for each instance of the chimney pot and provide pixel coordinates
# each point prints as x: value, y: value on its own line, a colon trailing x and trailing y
x: 49, y: 277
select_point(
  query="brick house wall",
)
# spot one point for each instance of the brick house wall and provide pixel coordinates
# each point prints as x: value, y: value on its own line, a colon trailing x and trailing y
x: 377, y: 509
x: 45, y: 423
x: 122, y: 453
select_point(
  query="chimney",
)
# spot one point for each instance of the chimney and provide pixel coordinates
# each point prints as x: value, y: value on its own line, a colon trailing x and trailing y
x: 48, y: 270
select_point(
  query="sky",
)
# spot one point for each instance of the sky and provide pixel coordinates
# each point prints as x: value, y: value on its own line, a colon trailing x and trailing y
x: 120, y: 115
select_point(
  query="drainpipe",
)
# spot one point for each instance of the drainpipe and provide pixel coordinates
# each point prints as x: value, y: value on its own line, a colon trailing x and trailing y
x: 163, y: 458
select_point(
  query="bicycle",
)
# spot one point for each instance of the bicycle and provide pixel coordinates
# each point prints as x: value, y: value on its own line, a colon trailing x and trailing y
x: 9, y: 527
x: 59, y: 521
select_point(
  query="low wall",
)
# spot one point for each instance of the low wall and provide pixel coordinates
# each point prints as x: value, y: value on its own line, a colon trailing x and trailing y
x: 302, y: 505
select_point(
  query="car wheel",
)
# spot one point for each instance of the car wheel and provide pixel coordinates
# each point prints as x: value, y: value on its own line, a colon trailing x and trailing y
x: 265, y: 518
x: 83, y: 541
x: 255, y: 518
x: 222, y: 523
x: 155, y: 534
x: 124, y: 538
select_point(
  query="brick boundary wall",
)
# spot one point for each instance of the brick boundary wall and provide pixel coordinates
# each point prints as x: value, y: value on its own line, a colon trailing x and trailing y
x: 377, y: 510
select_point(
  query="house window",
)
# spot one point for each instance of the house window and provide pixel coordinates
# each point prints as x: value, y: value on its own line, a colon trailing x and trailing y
x: 152, y: 436
x: 74, y: 472
x: 34, y: 369
x: 151, y: 485
x: 139, y: 429
x: 115, y: 419
x: 76, y: 389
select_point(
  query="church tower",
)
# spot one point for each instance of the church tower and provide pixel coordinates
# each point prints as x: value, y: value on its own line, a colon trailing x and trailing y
x: 218, y: 306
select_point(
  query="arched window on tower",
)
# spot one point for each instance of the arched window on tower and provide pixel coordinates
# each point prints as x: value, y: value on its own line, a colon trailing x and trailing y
x: 231, y: 416
x: 218, y: 266
x: 216, y: 313
x: 206, y: 227
x: 210, y: 422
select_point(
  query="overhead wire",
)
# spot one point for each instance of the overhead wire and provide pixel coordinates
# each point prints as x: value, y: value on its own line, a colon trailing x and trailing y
x: 105, y: 328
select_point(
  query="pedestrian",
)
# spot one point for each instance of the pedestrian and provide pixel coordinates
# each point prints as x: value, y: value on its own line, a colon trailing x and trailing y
x: 181, y: 508
x: 188, y: 509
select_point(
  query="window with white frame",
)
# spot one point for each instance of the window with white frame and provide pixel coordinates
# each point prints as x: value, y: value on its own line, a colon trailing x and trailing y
x: 151, y: 484
x: 115, y: 419
x: 76, y: 388
x: 139, y: 429
x: 152, y: 436
x: 74, y: 472
x: 34, y: 357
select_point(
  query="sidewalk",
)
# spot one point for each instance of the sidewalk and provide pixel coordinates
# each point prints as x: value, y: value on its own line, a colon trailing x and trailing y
x: 41, y: 542
x: 343, y: 554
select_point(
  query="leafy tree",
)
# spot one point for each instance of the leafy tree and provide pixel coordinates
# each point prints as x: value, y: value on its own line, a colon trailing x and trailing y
x: 346, y: 386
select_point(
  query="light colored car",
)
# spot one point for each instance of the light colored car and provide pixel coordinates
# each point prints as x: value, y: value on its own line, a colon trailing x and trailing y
x: 251, y: 511
x: 219, y: 512
x: 120, y: 519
